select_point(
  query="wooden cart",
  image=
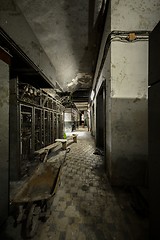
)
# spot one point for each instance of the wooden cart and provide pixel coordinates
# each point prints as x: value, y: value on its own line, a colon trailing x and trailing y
x: 33, y: 198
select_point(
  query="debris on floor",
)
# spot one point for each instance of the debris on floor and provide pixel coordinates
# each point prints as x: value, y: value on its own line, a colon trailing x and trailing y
x: 98, y: 152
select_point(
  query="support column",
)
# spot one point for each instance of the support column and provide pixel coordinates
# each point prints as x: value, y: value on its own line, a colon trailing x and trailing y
x: 4, y: 139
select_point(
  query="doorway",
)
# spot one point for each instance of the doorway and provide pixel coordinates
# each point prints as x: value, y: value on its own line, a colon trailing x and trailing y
x: 100, y: 119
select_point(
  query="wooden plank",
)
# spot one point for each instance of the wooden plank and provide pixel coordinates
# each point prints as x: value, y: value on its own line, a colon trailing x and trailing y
x: 57, y: 142
x: 53, y: 145
x: 61, y: 140
x: 42, y: 150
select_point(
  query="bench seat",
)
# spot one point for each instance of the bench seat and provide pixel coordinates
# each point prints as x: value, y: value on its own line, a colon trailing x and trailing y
x: 63, y: 141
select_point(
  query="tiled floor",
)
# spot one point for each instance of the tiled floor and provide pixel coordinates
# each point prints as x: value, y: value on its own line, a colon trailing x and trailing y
x: 85, y: 206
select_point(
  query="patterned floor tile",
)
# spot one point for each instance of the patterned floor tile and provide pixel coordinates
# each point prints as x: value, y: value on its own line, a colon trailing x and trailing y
x: 84, y: 206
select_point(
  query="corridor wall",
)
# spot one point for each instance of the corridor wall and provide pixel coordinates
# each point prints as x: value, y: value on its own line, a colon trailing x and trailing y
x: 123, y: 64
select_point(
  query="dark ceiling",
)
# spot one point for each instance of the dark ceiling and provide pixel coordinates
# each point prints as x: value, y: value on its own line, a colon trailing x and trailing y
x: 69, y: 32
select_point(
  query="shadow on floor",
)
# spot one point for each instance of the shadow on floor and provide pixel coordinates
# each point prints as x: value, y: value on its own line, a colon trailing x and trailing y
x: 135, y: 209
x: 3, y: 234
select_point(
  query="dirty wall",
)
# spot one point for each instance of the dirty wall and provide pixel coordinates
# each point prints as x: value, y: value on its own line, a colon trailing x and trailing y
x: 125, y: 70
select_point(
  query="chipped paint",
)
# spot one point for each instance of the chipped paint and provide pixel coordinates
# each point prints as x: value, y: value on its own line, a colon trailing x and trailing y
x: 126, y: 74
x: 134, y: 15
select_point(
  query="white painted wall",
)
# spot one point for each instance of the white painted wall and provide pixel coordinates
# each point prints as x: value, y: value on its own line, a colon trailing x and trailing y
x: 129, y: 70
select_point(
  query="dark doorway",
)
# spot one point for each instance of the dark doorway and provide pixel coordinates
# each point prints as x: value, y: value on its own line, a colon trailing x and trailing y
x: 154, y: 130
x: 100, y: 119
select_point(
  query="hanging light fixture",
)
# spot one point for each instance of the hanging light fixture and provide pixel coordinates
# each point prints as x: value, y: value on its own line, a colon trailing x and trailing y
x: 92, y: 95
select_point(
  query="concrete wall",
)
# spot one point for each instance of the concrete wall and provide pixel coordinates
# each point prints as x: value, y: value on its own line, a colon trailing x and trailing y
x: 129, y: 85
x: 131, y: 15
x: 126, y: 73
x: 4, y: 139
x: 15, y: 25
x: 129, y: 80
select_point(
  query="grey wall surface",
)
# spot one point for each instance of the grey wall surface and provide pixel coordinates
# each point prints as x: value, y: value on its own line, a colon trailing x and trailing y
x: 129, y: 86
x: 126, y: 73
x: 129, y: 141
x: 131, y: 15
x: 4, y: 139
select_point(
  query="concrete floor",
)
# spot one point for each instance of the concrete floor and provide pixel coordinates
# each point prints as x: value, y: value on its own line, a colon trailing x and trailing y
x: 85, y: 207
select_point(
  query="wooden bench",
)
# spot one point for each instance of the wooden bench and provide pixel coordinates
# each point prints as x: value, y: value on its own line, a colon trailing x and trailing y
x: 74, y: 137
x: 63, y: 141
x: 43, y: 152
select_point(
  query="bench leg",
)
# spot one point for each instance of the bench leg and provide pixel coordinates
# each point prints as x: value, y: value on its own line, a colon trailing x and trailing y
x: 75, y: 139
x: 64, y: 145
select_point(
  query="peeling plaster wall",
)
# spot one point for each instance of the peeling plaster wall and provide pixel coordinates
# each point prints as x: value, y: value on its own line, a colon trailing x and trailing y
x: 4, y: 140
x: 129, y: 80
x: 129, y: 84
x: 15, y: 25
x: 130, y: 15
x: 126, y: 73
